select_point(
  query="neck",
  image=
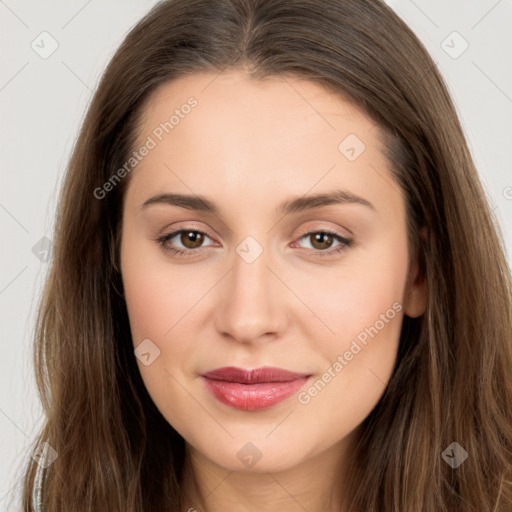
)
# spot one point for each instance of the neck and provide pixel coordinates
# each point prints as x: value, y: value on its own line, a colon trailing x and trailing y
x: 315, y: 484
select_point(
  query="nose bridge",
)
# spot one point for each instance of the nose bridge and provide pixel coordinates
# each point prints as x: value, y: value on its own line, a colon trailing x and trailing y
x: 252, y: 303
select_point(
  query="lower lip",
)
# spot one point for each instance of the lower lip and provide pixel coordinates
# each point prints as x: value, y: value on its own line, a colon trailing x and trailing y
x: 253, y: 397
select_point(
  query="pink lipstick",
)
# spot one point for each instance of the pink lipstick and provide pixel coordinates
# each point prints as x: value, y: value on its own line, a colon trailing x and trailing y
x: 252, y: 390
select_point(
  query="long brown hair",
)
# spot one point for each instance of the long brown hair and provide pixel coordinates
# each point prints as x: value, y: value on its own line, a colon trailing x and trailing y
x: 452, y: 381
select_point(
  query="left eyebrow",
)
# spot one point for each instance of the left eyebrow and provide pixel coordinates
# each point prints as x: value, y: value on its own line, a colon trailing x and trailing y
x: 302, y: 203
x: 297, y: 204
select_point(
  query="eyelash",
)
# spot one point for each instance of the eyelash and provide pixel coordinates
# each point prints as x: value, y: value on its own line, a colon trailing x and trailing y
x: 345, y: 243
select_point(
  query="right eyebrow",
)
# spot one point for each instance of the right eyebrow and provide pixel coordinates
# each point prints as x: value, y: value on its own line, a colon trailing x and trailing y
x: 191, y: 202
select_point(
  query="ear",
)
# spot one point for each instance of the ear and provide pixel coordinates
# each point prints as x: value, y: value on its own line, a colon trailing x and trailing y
x: 416, y: 292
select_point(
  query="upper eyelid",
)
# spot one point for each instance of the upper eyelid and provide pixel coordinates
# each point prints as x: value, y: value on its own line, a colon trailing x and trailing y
x: 191, y: 227
x: 301, y: 235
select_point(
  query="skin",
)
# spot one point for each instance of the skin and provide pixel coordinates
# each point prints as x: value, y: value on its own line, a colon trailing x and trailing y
x: 250, y: 145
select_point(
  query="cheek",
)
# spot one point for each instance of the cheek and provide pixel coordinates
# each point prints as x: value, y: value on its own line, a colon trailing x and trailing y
x: 362, y: 304
x: 157, y: 302
x: 158, y: 295
x: 164, y: 303
x: 353, y: 294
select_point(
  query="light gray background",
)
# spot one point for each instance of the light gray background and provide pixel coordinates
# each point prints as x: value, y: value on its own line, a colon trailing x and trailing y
x: 42, y: 104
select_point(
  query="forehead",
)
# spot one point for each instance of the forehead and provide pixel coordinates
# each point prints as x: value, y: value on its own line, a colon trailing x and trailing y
x: 279, y: 99
x: 281, y: 135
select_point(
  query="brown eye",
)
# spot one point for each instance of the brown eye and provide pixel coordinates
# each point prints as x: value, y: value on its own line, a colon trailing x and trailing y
x: 186, y: 242
x: 191, y: 239
x: 321, y: 240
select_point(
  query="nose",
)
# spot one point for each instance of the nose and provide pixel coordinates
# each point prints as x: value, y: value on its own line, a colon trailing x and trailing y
x: 252, y: 303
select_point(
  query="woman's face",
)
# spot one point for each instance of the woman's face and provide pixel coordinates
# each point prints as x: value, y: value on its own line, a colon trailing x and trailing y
x: 314, y: 287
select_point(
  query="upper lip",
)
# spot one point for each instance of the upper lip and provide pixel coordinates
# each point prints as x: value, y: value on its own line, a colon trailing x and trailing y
x: 255, y: 376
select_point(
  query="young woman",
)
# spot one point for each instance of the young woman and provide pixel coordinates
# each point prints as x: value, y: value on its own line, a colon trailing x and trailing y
x: 277, y: 282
